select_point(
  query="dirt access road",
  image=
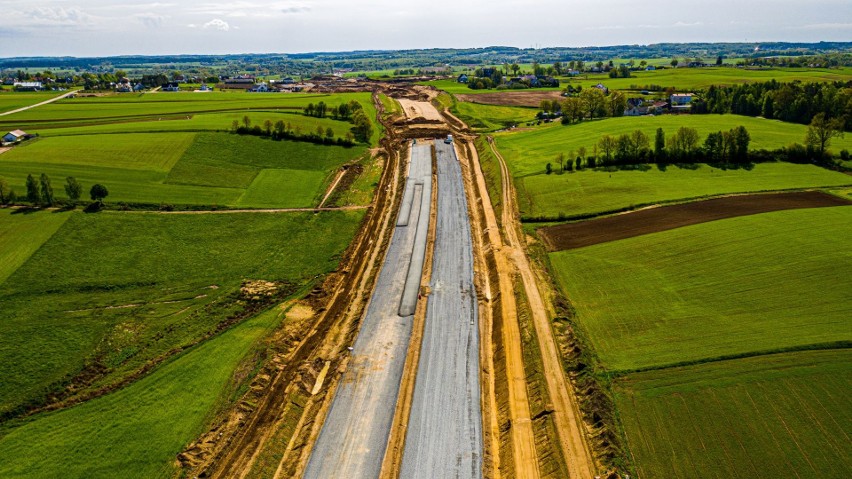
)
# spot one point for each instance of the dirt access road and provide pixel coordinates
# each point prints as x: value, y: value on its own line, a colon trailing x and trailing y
x: 56, y: 98
x: 566, y: 410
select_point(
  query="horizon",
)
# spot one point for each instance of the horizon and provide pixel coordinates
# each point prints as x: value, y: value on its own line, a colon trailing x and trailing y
x: 96, y: 28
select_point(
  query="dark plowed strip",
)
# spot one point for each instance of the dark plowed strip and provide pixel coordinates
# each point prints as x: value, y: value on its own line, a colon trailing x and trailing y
x: 628, y: 225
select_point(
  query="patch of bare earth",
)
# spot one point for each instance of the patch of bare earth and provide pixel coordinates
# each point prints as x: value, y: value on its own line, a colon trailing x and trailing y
x: 663, y: 218
x: 512, y: 98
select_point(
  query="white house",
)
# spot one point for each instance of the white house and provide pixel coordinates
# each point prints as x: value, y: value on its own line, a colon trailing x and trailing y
x: 261, y: 88
x: 28, y: 86
x: 681, y: 101
x: 15, y: 136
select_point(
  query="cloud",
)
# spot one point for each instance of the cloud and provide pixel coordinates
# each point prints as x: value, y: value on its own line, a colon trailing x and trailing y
x: 295, y: 9
x: 58, y: 16
x: 827, y: 26
x: 218, y: 24
x: 150, y: 20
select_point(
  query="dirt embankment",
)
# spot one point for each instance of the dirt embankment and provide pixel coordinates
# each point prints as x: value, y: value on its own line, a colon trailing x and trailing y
x: 512, y: 98
x: 663, y: 218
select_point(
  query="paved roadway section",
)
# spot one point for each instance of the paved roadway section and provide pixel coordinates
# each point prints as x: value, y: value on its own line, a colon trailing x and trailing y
x: 354, y: 437
x: 444, y: 437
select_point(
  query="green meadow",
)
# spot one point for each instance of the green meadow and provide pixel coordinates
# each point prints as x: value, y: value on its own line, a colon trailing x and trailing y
x: 136, y: 431
x: 587, y: 192
x: 527, y: 152
x: 682, y: 79
x: 15, y: 225
x: 732, y: 287
x: 590, y: 192
x: 204, y: 168
x: 13, y: 100
x: 492, y: 117
x: 119, y: 289
x: 782, y: 415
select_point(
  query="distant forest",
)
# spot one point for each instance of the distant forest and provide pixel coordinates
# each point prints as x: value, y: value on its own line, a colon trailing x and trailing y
x: 323, y: 62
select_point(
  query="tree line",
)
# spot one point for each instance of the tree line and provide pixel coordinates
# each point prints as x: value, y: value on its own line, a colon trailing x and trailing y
x: 280, y: 130
x: 685, y: 146
x: 794, y: 102
x: 40, y: 192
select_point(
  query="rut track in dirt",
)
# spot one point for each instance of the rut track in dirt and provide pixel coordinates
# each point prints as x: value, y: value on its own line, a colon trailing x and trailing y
x: 664, y: 218
x: 567, y: 416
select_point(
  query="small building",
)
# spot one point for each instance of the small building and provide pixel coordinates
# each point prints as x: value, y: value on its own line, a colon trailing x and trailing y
x: 260, y: 88
x: 573, y: 73
x: 681, y: 101
x: 204, y: 87
x: 28, y: 86
x: 138, y: 87
x: 15, y: 136
x: 171, y: 87
x: 650, y: 68
x: 601, y: 87
x: 462, y: 78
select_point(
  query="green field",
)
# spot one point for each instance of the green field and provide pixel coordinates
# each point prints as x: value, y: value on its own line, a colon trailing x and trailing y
x: 730, y: 287
x: 152, y: 112
x: 15, y: 225
x: 181, y: 168
x: 13, y: 100
x: 682, y: 79
x: 136, y: 431
x: 592, y: 192
x: 527, y: 152
x: 784, y: 415
x: 492, y: 117
x: 121, y: 288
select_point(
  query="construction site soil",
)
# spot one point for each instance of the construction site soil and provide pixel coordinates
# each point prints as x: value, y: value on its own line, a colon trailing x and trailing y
x: 512, y: 98
x: 663, y: 218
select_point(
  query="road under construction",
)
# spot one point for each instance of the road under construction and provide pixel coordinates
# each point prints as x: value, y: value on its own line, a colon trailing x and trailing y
x: 412, y: 362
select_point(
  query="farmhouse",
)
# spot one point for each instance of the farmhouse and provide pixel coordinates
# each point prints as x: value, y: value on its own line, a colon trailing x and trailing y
x: 171, y: 87
x: 15, y: 136
x: 462, y: 78
x: 260, y: 88
x: 243, y: 82
x: 601, y: 87
x: 28, y: 86
x: 681, y: 101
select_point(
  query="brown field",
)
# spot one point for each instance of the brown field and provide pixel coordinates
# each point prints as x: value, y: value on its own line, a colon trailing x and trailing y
x: 652, y: 220
x: 512, y: 98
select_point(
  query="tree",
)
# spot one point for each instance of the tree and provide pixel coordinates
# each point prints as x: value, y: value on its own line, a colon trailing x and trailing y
x: 607, y: 146
x: 279, y: 127
x: 515, y: 68
x: 639, y: 145
x: 581, y: 152
x: 572, y: 110
x: 593, y: 100
x: 684, y: 142
x: 560, y: 158
x: 548, y: 168
x: 4, y: 191
x: 246, y: 121
x: 33, y: 194
x: 719, y: 61
x: 267, y: 126
x: 363, y: 129
x: 821, y: 131
x: 557, y: 67
x: 660, y: 144
x: 617, y: 103
x: 329, y: 133
x: 73, y: 189
x: 98, y: 192
x: 674, y: 62
x: 741, y: 139
x: 46, y: 190
x: 235, y: 125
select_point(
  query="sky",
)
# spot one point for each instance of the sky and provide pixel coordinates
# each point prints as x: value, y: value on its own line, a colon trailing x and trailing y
x: 104, y: 28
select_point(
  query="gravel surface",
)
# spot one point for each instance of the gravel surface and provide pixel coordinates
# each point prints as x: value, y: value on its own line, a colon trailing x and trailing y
x: 354, y: 437
x: 444, y: 437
